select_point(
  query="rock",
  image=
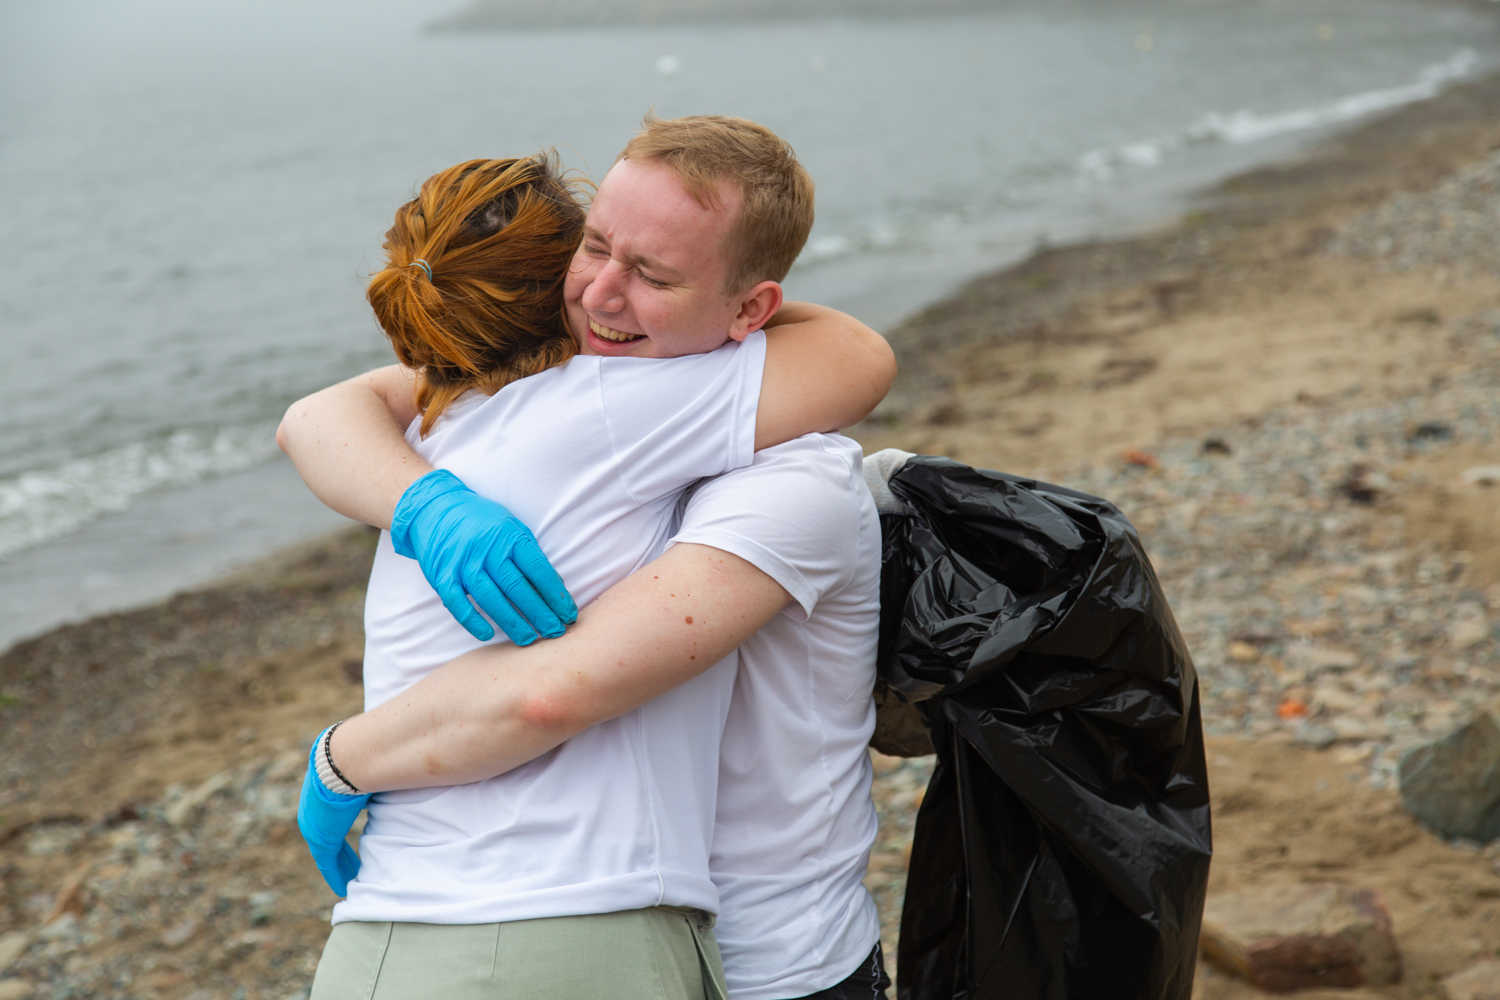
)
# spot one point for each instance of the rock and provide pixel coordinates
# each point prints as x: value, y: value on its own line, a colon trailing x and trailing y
x: 1358, y: 730
x: 12, y: 947
x: 1453, y: 784
x: 1333, y: 697
x: 1242, y: 652
x: 262, y: 906
x: 64, y: 928
x: 1480, y: 982
x: 1431, y: 431
x: 1291, y: 937
x: 1315, y: 735
x: 1483, y: 475
x: 1363, y: 485
x: 1216, y: 446
x: 1466, y: 633
x: 1469, y: 627
x: 1315, y: 659
x: 72, y: 897
x: 179, y: 811
x: 182, y: 933
x: 15, y: 989
x: 50, y: 840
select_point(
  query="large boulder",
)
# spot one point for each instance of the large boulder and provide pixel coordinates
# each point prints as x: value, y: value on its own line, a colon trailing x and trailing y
x: 1291, y: 937
x: 1453, y: 784
x: 1478, y: 982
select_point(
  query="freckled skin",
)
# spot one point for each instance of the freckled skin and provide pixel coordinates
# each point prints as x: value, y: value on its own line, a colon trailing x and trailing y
x: 500, y: 706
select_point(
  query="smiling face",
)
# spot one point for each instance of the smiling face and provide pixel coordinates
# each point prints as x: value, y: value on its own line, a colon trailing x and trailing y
x: 649, y: 278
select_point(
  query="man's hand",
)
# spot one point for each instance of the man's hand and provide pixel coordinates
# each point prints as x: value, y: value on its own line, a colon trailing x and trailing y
x: 472, y: 547
x: 325, y: 819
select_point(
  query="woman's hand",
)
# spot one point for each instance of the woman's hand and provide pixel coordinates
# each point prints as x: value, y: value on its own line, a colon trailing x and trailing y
x: 325, y: 819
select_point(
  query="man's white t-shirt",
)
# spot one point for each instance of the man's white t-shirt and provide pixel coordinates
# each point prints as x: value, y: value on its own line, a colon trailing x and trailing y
x: 593, y: 456
x: 795, y: 821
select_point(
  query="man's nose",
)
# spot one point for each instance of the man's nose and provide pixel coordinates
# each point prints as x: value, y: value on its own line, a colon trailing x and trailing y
x: 606, y: 293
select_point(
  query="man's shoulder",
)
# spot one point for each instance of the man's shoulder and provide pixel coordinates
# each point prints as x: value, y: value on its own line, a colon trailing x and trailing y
x: 827, y: 465
x: 801, y: 513
x: 814, y: 454
x: 805, y: 492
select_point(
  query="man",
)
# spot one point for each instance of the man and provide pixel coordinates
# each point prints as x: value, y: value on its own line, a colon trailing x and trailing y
x: 794, y: 531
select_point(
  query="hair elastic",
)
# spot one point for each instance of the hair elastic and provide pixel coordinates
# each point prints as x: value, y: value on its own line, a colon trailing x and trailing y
x: 419, y: 262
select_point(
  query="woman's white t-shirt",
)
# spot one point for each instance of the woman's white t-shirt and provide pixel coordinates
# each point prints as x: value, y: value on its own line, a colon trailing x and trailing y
x: 592, y: 455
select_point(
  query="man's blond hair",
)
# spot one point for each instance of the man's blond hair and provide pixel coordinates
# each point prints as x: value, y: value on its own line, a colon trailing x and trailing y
x: 776, y: 212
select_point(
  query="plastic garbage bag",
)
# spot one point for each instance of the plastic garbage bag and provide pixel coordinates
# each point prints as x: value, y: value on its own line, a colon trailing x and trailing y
x: 1062, y: 848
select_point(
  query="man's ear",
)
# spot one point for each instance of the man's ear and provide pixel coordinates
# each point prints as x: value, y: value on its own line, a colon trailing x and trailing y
x: 757, y: 306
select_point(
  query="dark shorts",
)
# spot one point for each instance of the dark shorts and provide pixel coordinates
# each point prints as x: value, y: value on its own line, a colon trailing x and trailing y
x: 868, y: 982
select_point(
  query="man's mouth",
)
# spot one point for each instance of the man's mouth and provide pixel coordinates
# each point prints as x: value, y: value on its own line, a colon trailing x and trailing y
x: 605, y: 333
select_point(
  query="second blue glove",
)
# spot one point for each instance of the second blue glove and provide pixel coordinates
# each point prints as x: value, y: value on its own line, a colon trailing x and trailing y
x: 325, y: 819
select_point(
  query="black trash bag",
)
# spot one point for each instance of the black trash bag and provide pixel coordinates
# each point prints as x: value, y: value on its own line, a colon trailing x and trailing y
x: 1062, y: 849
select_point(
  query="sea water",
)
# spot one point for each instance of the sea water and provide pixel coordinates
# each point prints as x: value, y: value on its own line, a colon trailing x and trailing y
x: 193, y: 193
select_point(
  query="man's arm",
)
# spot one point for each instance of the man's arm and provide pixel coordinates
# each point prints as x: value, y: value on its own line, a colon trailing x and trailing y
x: 500, y: 706
x: 348, y: 443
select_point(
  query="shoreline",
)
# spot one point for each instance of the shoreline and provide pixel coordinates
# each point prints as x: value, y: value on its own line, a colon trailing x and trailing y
x: 168, y: 739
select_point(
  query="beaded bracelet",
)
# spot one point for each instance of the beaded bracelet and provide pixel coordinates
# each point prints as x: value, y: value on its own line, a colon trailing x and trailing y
x: 328, y: 772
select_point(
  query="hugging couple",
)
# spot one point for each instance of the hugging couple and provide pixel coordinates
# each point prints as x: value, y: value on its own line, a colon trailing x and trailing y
x: 669, y: 797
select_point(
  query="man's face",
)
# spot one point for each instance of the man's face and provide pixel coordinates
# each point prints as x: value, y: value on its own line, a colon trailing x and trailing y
x: 648, y: 279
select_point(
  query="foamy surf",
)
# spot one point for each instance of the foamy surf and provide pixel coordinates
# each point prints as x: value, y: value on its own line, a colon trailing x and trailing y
x: 1240, y: 127
x: 44, y: 504
x: 1235, y: 128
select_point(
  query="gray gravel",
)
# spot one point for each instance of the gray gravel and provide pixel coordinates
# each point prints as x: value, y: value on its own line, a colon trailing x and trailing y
x: 167, y: 900
x: 1263, y: 553
x: 1455, y: 226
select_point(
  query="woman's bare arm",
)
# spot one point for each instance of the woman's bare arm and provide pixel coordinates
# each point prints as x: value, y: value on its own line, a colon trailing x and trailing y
x: 824, y: 371
x: 349, y: 446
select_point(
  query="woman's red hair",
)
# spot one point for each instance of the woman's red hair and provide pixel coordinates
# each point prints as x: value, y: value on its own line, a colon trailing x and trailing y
x: 498, y: 236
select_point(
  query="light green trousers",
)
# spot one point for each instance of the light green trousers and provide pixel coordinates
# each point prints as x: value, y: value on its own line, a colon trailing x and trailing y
x: 661, y: 953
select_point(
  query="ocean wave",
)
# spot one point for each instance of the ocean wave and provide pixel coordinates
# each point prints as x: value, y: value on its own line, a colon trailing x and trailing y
x: 1235, y: 128
x: 1243, y: 126
x: 44, y: 504
x: 874, y: 238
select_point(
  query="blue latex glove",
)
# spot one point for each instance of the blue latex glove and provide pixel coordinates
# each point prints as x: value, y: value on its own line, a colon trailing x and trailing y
x: 469, y: 546
x: 325, y: 818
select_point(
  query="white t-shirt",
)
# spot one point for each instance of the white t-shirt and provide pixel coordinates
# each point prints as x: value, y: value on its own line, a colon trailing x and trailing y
x: 795, y: 822
x: 592, y: 455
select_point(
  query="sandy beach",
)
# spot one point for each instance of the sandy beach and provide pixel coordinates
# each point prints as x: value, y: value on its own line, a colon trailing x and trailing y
x: 1289, y: 391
